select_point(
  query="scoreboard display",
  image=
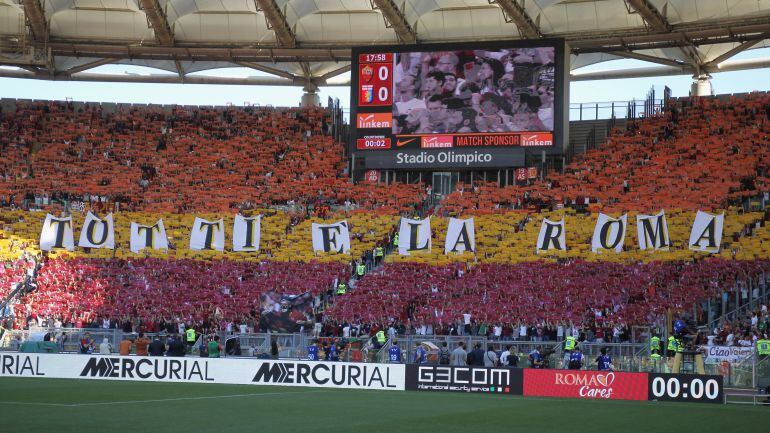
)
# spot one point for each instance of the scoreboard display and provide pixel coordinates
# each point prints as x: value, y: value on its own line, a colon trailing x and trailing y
x: 469, y: 105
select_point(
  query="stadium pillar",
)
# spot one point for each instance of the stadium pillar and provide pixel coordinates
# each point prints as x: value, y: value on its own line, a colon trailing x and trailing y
x: 310, y: 99
x: 701, y: 85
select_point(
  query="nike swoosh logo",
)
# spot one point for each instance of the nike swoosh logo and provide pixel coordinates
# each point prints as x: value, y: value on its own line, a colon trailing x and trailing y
x: 400, y: 143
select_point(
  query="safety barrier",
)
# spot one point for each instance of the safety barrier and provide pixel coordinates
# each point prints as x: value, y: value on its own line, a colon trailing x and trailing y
x: 345, y: 375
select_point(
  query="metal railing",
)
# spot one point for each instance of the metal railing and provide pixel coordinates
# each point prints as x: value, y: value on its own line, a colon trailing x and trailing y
x: 750, y: 373
x: 615, y: 109
x: 741, y: 305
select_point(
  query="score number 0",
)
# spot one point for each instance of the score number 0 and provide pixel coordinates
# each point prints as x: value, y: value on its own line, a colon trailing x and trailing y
x: 672, y: 388
x: 383, y: 73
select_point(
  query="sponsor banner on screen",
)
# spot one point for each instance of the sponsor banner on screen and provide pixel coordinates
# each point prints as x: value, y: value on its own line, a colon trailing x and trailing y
x: 478, y: 140
x: 441, y: 158
x: 538, y: 139
x: 374, y: 120
x: 688, y: 388
x: 373, y: 142
x: 436, y: 141
x: 585, y: 384
x: 245, y: 371
x: 464, y: 379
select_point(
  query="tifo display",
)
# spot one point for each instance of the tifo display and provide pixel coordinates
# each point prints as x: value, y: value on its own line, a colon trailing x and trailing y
x: 609, y: 234
x: 228, y: 219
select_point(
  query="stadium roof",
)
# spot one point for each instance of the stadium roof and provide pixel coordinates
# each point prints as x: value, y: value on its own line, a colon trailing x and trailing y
x: 307, y: 42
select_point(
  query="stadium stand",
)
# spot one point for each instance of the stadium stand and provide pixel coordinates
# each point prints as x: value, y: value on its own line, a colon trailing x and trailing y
x: 176, y: 163
x: 178, y: 159
x: 700, y: 153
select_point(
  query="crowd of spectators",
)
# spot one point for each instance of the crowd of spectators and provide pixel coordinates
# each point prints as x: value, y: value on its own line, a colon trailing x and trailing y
x: 743, y: 331
x: 151, y: 295
x: 699, y: 154
x: 179, y: 159
x: 704, y: 153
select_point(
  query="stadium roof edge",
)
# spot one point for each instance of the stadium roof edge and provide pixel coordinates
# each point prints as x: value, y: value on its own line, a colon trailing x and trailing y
x: 304, y: 43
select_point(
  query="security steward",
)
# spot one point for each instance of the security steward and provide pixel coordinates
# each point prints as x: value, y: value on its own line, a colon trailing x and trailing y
x: 570, y: 343
x: 360, y: 270
x: 655, y: 348
x: 342, y: 288
x: 395, y: 241
x: 190, y: 337
x: 763, y: 348
x: 672, y: 347
x: 381, y: 339
x: 379, y: 252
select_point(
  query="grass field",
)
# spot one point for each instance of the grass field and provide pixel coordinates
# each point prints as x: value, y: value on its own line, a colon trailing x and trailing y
x: 64, y: 405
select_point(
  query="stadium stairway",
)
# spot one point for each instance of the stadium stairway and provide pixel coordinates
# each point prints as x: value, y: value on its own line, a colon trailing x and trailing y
x: 588, y: 134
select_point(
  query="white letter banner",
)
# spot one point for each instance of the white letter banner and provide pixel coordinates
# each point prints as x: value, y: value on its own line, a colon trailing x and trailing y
x: 207, y: 235
x: 57, y: 233
x: 609, y: 233
x: 414, y: 235
x: 153, y: 237
x: 460, y: 236
x: 97, y: 233
x: 652, y: 231
x: 706, y: 234
x: 551, y: 236
x: 331, y: 237
x: 246, y: 233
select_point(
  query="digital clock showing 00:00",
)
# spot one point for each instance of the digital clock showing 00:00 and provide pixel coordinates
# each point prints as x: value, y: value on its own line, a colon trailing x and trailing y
x: 686, y: 388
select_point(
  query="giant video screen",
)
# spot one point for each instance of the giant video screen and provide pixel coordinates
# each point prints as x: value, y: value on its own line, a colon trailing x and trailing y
x: 456, y: 105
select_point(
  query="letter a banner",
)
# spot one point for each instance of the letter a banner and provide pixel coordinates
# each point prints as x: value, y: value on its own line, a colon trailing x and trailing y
x: 246, y: 233
x: 153, y: 237
x: 551, y: 236
x: 57, y: 233
x: 460, y: 236
x: 652, y: 231
x: 609, y: 233
x: 97, y: 233
x: 331, y: 237
x: 706, y: 234
x: 207, y: 235
x: 414, y: 235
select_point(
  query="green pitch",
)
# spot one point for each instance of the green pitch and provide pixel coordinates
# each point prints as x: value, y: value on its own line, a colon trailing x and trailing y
x: 63, y: 405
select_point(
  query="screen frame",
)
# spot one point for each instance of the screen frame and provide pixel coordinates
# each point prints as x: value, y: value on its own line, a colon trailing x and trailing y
x: 561, y: 78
